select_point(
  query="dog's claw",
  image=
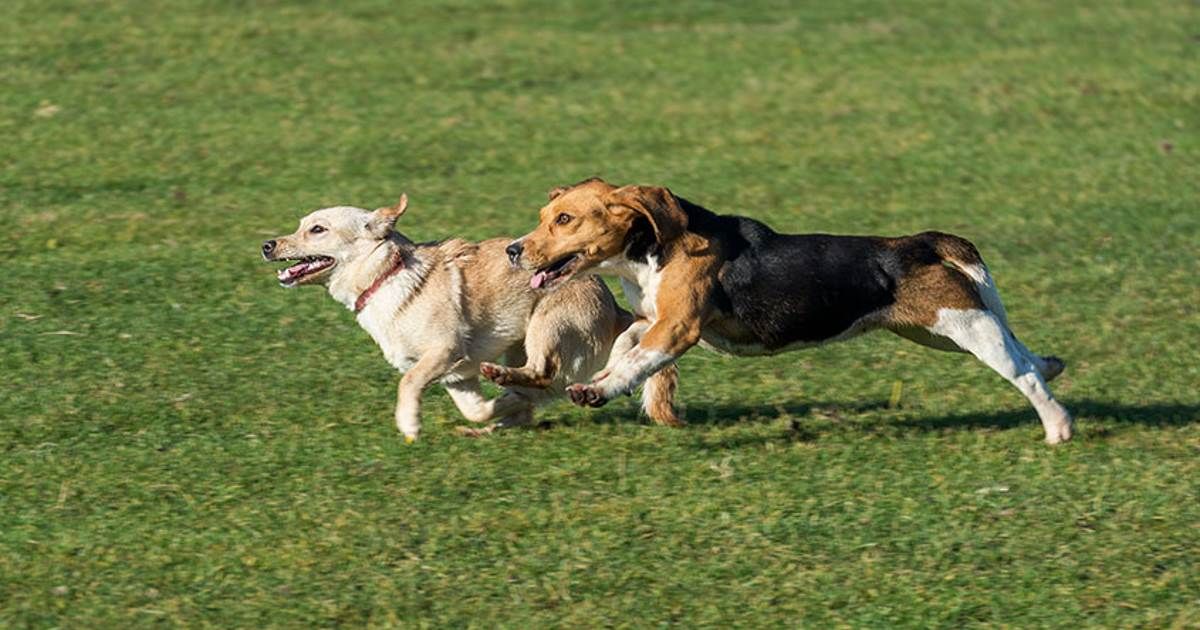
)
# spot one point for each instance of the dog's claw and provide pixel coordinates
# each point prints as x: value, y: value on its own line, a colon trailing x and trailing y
x: 586, y: 395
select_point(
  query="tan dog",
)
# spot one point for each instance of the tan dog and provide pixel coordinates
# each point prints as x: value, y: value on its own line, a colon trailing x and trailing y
x: 735, y: 285
x: 439, y: 311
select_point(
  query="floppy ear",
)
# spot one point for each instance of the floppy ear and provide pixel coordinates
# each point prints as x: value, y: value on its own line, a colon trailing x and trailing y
x: 555, y: 192
x: 380, y: 222
x: 658, y: 206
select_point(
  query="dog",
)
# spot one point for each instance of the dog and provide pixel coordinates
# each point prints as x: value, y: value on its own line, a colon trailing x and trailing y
x: 734, y: 285
x: 443, y: 311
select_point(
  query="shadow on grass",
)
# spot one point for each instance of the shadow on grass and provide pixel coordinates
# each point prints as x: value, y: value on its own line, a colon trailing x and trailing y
x: 723, y: 414
x: 1153, y: 414
x: 802, y: 416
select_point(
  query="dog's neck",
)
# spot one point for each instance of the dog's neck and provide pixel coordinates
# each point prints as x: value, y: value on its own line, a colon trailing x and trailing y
x: 355, y: 283
x: 396, y: 265
x: 624, y: 268
x: 636, y: 262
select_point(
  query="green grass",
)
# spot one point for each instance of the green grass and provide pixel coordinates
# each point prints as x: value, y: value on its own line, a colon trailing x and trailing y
x: 185, y: 443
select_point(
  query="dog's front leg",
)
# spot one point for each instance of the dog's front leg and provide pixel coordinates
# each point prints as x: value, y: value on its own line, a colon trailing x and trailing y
x: 426, y: 370
x: 663, y: 343
x: 625, y: 342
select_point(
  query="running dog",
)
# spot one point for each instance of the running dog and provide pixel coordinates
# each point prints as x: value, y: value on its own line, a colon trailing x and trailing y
x: 441, y: 311
x: 734, y: 285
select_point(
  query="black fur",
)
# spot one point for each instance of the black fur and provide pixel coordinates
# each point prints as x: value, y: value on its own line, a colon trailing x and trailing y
x: 807, y: 287
x: 639, y: 241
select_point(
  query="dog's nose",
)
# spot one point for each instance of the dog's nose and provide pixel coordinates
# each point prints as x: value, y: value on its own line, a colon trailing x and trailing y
x: 514, y: 251
x: 268, y: 247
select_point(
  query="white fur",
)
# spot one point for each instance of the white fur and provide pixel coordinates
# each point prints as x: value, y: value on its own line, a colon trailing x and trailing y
x: 639, y: 282
x: 984, y: 334
x: 631, y: 370
x: 400, y: 344
x: 626, y: 342
x: 987, y: 289
x: 628, y: 365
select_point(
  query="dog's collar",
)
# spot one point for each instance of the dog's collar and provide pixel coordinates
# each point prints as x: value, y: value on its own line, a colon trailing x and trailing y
x: 397, y: 264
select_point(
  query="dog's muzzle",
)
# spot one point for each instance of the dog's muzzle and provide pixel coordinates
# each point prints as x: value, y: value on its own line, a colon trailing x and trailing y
x: 268, y: 249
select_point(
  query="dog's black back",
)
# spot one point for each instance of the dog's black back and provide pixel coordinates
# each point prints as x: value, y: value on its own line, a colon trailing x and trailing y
x: 803, y: 288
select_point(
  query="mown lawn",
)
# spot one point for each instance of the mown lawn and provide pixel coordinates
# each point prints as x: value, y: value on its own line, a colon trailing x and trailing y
x: 185, y: 443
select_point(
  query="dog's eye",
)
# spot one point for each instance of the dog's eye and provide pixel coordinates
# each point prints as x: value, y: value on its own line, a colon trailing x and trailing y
x: 316, y: 229
x: 563, y: 219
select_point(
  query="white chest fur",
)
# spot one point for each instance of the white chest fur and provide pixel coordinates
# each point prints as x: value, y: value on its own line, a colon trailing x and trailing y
x: 389, y: 330
x: 639, y: 281
x: 395, y: 318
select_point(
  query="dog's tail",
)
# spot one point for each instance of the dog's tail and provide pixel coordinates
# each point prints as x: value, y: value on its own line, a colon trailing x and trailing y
x: 658, y: 397
x: 961, y: 254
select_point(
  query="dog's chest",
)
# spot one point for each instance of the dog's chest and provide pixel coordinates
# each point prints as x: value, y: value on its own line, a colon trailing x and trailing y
x: 640, y: 283
x: 393, y: 333
x: 406, y: 316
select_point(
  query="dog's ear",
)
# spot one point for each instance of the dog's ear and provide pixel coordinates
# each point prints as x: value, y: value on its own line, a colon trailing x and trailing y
x: 381, y: 221
x: 657, y: 205
x: 555, y: 192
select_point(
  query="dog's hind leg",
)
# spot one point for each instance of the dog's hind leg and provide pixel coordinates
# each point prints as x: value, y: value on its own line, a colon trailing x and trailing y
x: 658, y: 397
x: 521, y: 418
x: 960, y: 254
x: 948, y: 309
x: 984, y: 335
x: 474, y: 406
x: 510, y: 409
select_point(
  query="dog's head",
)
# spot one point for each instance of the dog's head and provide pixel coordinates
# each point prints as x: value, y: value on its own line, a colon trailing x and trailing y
x: 593, y: 221
x: 331, y: 238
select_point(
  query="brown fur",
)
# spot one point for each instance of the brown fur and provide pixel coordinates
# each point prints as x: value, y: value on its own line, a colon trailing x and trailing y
x: 660, y: 397
x: 925, y: 290
x: 590, y: 225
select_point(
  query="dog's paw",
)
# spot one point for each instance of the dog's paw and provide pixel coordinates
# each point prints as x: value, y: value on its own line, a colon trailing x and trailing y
x: 1054, y: 367
x: 586, y: 395
x: 472, y: 432
x: 497, y: 374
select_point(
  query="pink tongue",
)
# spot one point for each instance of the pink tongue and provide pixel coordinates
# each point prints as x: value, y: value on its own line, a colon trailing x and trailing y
x: 295, y: 270
x: 538, y: 279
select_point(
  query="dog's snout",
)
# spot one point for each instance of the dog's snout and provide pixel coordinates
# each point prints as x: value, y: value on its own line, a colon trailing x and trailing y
x: 514, y: 251
x: 268, y: 248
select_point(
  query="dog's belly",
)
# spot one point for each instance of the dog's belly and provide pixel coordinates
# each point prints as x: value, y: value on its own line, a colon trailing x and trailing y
x: 730, y: 337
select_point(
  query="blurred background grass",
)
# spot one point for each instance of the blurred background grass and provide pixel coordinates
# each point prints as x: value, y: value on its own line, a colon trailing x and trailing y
x: 185, y: 442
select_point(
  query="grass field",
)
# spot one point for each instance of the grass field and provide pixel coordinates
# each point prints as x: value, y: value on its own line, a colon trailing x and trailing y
x: 185, y: 443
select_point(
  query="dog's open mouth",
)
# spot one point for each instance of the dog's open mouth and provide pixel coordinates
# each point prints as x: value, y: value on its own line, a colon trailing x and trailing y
x: 302, y: 268
x: 556, y: 271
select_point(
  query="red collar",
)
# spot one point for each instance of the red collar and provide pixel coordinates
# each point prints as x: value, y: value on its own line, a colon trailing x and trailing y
x: 397, y: 265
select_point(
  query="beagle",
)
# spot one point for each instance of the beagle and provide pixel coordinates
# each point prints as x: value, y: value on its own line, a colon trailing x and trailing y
x: 734, y: 285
